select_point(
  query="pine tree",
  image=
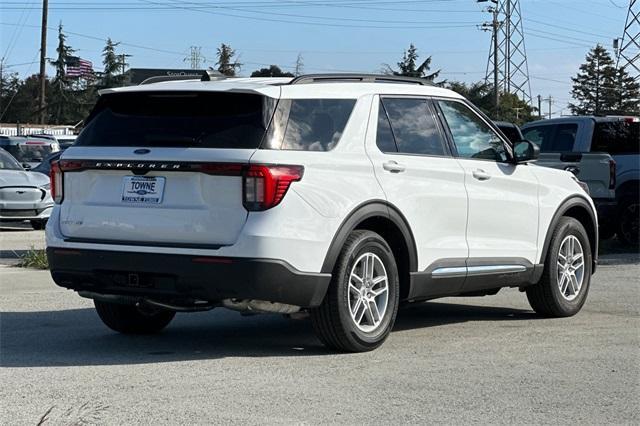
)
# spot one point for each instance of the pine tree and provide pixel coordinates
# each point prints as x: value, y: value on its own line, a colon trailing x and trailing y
x: 594, y: 86
x: 62, y: 101
x: 627, y: 94
x: 226, y: 64
x: 110, y: 77
x: 409, y: 66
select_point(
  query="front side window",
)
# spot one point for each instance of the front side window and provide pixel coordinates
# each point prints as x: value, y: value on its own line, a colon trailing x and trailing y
x: 308, y: 124
x: 471, y: 135
x: 539, y: 135
x: 413, y: 126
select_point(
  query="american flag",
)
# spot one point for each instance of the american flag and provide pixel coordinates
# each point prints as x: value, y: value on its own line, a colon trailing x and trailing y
x: 78, y: 67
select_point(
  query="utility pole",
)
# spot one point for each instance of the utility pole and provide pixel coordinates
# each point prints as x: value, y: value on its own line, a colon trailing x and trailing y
x: 43, y: 63
x: 299, y: 65
x: 494, y: 26
x: 539, y: 107
x: 123, y: 57
x: 550, y: 100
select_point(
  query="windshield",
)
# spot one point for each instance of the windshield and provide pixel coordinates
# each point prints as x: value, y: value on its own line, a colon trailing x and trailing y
x: 7, y: 162
x: 178, y: 119
x: 29, y: 153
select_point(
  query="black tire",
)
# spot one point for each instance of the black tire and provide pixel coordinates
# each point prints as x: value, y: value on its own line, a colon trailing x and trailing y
x: 129, y: 319
x: 332, y: 320
x: 629, y: 222
x: 38, y: 224
x: 545, y: 297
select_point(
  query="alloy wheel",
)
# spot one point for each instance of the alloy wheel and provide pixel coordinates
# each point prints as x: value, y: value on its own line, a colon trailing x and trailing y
x: 368, y: 294
x: 570, y: 267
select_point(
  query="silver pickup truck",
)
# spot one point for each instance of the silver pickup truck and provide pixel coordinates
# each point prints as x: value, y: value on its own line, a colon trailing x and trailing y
x: 604, y: 152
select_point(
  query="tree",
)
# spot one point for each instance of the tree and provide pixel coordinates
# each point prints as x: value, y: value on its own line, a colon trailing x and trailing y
x: 594, y: 87
x: 111, y: 76
x: 23, y: 105
x: 61, y: 104
x: 409, y: 66
x: 226, y: 64
x: 272, y: 71
x: 627, y: 94
x: 512, y: 108
x: 9, y: 85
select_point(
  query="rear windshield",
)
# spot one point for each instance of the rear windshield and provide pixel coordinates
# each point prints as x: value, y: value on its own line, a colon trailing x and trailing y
x: 616, y: 137
x: 178, y: 119
x: 29, y: 153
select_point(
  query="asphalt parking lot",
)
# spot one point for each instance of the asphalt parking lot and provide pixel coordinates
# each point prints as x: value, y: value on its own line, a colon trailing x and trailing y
x: 457, y: 360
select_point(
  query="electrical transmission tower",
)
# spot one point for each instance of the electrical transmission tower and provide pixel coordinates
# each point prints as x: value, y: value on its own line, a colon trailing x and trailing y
x: 195, y: 57
x: 628, y: 48
x: 508, y: 50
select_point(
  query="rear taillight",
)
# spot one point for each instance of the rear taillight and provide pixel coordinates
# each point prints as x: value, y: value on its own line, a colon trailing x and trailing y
x: 264, y: 187
x: 56, y: 182
x: 612, y: 174
x: 56, y: 176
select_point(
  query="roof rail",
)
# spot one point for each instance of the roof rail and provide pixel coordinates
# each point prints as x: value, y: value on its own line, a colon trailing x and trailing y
x: 212, y: 75
x: 356, y: 77
x: 161, y: 78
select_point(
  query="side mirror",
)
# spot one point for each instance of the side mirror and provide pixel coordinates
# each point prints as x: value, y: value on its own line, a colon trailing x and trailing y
x: 26, y: 166
x: 525, y: 151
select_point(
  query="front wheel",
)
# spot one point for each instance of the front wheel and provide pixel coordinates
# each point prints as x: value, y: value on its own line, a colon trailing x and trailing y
x: 564, y: 285
x: 129, y: 319
x: 360, y: 307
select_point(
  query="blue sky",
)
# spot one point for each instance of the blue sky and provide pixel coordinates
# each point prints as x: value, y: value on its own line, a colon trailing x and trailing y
x: 331, y: 35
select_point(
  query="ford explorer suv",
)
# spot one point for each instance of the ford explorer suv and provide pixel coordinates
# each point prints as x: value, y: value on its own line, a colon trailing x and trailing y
x: 583, y: 136
x: 337, y: 195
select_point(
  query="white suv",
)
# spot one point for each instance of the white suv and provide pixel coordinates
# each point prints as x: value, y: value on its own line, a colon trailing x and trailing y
x: 340, y: 195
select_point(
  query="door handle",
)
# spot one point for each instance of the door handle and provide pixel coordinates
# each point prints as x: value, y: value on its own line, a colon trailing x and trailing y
x: 481, y: 174
x: 393, y: 167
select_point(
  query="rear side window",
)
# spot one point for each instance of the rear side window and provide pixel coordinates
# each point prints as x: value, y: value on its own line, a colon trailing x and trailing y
x: 616, y: 137
x: 308, y: 124
x: 178, y: 119
x: 413, y: 127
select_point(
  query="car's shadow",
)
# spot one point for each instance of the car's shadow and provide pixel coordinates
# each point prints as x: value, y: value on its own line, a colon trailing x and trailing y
x: 76, y: 337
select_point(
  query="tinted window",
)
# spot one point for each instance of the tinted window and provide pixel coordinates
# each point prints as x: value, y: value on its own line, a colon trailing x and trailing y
x: 28, y: 153
x: 178, y: 119
x: 384, y: 136
x: 309, y: 124
x: 538, y: 135
x: 472, y: 136
x: 617, y: 137
x: 511, y: 132
x: 414, y: 127
x: 7, y: 162
x: 562, y: 140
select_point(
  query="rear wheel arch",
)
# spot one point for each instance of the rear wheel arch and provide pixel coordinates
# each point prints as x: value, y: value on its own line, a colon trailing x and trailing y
x: 578, y: 208
x: 384, y: 219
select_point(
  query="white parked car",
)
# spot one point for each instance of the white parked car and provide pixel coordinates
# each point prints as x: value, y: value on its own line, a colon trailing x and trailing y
x: 23, y: 195
x: 340, y: 195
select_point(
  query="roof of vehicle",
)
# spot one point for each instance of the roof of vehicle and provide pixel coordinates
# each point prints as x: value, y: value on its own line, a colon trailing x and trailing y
x: 276, y: 87
x: 579, y: 118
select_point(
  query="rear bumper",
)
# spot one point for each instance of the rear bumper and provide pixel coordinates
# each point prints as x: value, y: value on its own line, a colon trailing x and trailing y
x: 171, y: 277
